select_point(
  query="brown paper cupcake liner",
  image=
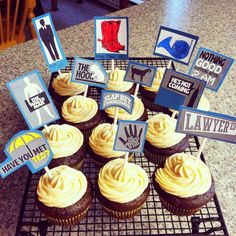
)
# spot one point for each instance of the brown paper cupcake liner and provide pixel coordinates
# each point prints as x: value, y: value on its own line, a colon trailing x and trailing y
x: 178, y: 211
x: 78, y: 165
x: 69, y: 221
x: 99, y: 165
x: 122, y: 214
x: 152, y: 106
x: 155, y: 158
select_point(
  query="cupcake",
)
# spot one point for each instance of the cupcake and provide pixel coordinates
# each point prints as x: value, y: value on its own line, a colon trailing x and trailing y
x: 148, y: 94
x: 66, y: 198
x: 101, y: 143
x: 67, y: 144
x: 184, y: 184
x: 117, y: 83
x: 81, y: 112
x: 122, y: 189
x: 161, y: 140
x: 61, y: 88
x: 139, y: 112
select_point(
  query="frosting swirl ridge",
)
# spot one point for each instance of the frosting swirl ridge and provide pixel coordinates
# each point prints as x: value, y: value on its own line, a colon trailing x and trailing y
x: 64, y: 140
x: 184, y: 176
x: 161, y: 131
x: 102, y: 140
x: 62, y: 85
x: 122, y: 183
x: 79, y: 109
x: 66, y: 187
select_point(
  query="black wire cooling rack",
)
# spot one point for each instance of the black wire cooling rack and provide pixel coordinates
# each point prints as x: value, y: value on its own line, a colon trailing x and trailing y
x: 153, y: 218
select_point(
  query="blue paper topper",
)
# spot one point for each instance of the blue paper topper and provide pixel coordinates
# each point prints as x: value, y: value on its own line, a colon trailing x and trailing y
x: 49, y: 42
x: 175, y: 45
x: 28, y: 147
x: 111, y: 38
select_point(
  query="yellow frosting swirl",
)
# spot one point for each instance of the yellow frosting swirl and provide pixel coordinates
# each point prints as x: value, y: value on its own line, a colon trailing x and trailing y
x: 62, y: 85
x: 161, y: 131
x: 64, y: 140
x: 78, y: 109
x: 102, y: 141
x: 122, y: 183
x: 157, y: 81
x: 116, y: 81
x: 66, y: 187
x: 184, y: 176
x: 137, y: 112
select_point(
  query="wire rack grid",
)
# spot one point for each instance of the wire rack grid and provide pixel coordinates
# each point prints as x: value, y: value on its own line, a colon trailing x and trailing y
x: 153, y: 218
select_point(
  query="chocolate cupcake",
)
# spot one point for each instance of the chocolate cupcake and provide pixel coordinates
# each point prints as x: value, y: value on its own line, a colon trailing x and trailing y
x: 81, y: 112
x: 122, y: 189
x: 161, y: 140
x: 60, y: 88
x: 101, y: 143
x: 67, y: 144
x: 184, y: 184
x: 66, y: 198
x: 139, y: 112
x: 148, y: 94
x: 117, y: 83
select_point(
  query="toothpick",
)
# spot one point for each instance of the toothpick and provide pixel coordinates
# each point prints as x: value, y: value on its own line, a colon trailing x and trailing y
x: 136, y: 90
x: 48, y: 172
x: 126, y: 158
x: 116, y: 116
x: 112, y: 65
x: 201, y: 147
x: 46, y: 128
x: 59, y: 72
x: 169, y: 66
x: 86, y: 90
x: 174, y: 113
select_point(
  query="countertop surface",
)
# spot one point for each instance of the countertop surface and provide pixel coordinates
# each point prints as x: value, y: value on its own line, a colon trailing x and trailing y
x: 213, y: 21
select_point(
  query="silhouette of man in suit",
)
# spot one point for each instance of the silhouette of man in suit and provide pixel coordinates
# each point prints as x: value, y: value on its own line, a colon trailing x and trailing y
x: 47, y: 36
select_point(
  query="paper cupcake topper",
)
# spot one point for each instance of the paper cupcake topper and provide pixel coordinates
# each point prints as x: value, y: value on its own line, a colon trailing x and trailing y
x: 111, y: 37
x: 49, y: 42
x: 89, y: 72
x: 178, y: 89
x: 26, y: 148
x: 116, y: 99
x: 32, y: 98
x: 140, y: 73
x: 130, y: 136
x: 211, y: 67
x: 175, y: 45
x: 207, y: 124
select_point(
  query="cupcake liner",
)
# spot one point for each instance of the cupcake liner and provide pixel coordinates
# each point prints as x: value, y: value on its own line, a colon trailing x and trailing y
x: 122, y: 214
x: 178, y: 211
x: 78, y: 165
x: 69, y: 221
x: 155, y: 158
x: 150, y: 105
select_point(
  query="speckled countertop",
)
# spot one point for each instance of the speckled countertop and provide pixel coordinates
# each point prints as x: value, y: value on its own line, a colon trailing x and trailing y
x: 214, y: 22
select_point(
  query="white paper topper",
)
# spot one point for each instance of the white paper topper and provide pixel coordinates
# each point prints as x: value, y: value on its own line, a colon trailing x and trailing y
x: 32, y: 98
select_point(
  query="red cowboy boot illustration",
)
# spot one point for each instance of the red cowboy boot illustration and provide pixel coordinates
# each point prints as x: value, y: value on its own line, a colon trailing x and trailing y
x: 107, y: 37
x: 116, y: 27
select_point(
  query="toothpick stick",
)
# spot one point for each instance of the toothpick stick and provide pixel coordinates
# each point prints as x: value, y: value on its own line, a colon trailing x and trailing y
x: 59, y: 72
x: 46, y: 128
x: 116, y: 116
x: 48, y: 172
x: 86, y: 90
x: 201, y: 147
x: 126, y: 158
x: 136, y: 90
x: 112, y: 65
x: 174, y: 113
x: 169, y: 64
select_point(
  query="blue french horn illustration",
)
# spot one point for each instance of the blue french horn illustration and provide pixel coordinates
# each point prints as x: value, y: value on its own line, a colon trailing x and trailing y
x: 179, y: 50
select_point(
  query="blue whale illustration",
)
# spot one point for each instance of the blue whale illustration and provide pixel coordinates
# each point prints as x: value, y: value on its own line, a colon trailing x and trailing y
x: 179, y: 50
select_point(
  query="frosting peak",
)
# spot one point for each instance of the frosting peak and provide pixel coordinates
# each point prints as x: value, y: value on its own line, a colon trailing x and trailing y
x: 161, y: 131
x: 122, y: 183
x: 66, y: 187
x: 184, y: 176
x: 64, y: 140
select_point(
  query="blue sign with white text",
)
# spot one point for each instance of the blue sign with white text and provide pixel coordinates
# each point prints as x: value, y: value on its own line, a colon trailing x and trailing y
x: 49, y: 42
